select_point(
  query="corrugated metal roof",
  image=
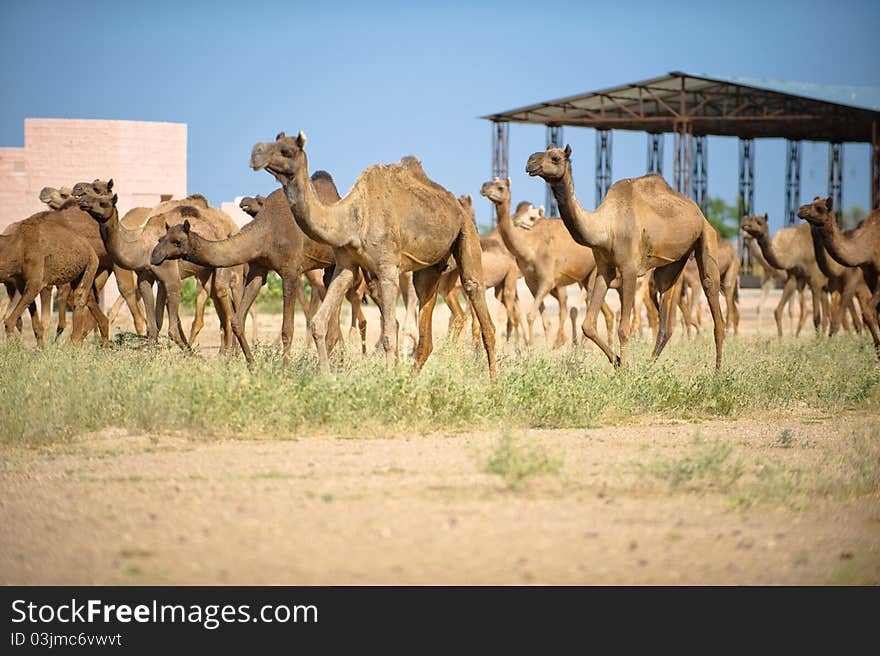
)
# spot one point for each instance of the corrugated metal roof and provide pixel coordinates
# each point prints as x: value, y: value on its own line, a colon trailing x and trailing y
x: 851, y: 96
x: 726, y: 106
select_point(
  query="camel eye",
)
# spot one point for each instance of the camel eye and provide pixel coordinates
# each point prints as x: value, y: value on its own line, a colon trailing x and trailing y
x: 287, y: 152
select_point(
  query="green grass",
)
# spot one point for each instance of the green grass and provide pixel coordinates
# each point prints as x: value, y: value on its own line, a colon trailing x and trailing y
x: 54, y: 394
x: 517, y: 459
x: 848, y: 469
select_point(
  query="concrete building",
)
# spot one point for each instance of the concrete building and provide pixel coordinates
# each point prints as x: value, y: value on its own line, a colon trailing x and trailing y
x: 146, y: 160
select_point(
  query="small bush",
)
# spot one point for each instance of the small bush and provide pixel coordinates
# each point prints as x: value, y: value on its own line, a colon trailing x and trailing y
x: 517, y: 460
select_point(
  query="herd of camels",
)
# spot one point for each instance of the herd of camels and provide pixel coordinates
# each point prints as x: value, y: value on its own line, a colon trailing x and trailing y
x: 398, y: 232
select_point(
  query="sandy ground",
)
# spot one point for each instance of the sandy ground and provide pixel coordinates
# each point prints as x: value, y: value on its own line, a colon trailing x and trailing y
x: 127, y: 508
x: 139, y: 509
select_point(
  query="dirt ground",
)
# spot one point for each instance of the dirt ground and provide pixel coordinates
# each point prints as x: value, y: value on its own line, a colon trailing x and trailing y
x: 120, y: 508
x: 139, y: 509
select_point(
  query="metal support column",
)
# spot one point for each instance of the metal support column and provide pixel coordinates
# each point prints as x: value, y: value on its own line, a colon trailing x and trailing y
x: 500, y: 151
x: 746, y: 193
x: 875, y: 165
x: 603, y: 164
x: 554, y: 137
x: 655, y: 154
x: 792, y: 181
x: 681, y: 161
x: 835, y: 176
x: 699, y: 179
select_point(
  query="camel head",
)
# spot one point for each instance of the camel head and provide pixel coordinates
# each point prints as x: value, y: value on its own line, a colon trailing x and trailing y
x: 551, y: 165
x: 173, y: 245
x: 526, y: 215
x: 57, y: 198
x: 252, y: 204
x: 282, y: 157
x: 820, y: 212
x: 756, y: 226
x: 95, y: 198
x: 498, y: 191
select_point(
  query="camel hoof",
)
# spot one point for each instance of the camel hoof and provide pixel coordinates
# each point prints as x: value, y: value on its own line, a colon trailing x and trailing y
x: 617, y: 362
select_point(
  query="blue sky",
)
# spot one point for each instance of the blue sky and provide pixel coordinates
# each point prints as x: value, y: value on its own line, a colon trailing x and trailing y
x: 370, y: 82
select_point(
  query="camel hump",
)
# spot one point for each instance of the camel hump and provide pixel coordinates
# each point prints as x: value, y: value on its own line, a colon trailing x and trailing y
x: 522, y: 206
x: 189, y: 210
x: 325, y: 187
x: 197, y: 200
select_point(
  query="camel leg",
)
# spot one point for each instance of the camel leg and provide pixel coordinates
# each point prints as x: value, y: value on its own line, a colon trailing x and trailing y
x: 843, y: 306
x: 358, y: 325
x: 256, y: 278
x: 469, y: 257
x: 145, y: 286
x: 628, y: 283
x: 447, y: 287
x: 410, y: 302
x: 855, y: 316
x: 425, y: 283
x: 707, y: 263
x: 100, y: 318
x: 731, y: 291
x: 668, y: 281
x: 869, y: 312
x: 508, y: 299
x: 388, y: 283
x: 802, y: 302
x: 125, y: 282
x: 291, y: 282
x: 573, y: 315
x: 198, y: 321
x: 26, y: 298
x: 62, y: 301
x: 605, y: 274
x: 561, y: 296
x: 161, y: 304
x: 221, y: 293
x: 538, y: 307
x: 45, y: 306
x: 114, y: 310
x: 343, y: 275
x: 169, y: 278
x: 787, y: 291
x: 820, y: 305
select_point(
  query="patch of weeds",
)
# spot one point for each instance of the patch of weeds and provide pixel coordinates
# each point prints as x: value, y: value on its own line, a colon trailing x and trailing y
x: 785, y: 439
x: 516, y: 460
x: 674, y: 536
x: 327, y: 498
x: 709, y: 466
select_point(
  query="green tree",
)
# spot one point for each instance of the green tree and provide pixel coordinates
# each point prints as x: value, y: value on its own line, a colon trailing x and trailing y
x: 851, y: 216
x: 723, y: 216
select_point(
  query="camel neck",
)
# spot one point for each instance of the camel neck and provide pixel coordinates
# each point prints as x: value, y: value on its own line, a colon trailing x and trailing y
x: 774, y: 258
x: 311, y: 215
x: 244, y: 246
x: 585, y: 227
x: 514, y: 238
x: 827, y: 265
x: 7, y: 262
x: 126, y: 250
x: 843, y: 248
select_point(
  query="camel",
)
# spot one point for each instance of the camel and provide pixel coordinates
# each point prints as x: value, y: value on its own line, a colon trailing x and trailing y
x: 272, y: 241
x: 500, y: 272
x: 770, y: 276
x: 548, y: 257
x: 642, y: 225
x: 132, y: 248
x: 394, y: 220
x: 65, y: 213
x: 728, y: 267
x: 791, y: 250
x: 41, y: 253
x: 858, y: 247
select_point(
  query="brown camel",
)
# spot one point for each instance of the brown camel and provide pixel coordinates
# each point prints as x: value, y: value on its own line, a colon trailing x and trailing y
x: 65, y: 213
x: 642, y: 225
x: 272, y: 241
x: 131, y: 248
x: 770, y: 275
x: 500, y: 272
x: 40, y: 254
x: 548, y: 257
x: 394, y: 220
x: 858, y: 247
x: 728, y: 268
x: 791, y: 250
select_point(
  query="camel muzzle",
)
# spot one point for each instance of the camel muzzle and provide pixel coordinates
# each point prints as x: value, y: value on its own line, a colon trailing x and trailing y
x: 260, y: 155
x: 533, y: 165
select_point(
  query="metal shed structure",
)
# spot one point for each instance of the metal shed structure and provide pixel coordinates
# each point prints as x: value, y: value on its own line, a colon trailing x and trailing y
x: 692, y: 107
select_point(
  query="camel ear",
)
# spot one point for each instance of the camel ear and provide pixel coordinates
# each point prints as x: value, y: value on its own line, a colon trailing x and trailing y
x: 766, y: 217
x: 301, y: 139
x: 280, y: 135
x: 567, y: 151
x: 115, y: 198
x: 186, y: 226
x: 109, y: 184
x: 507, y: 183
x: 541, y: 211
x: 829, y: 203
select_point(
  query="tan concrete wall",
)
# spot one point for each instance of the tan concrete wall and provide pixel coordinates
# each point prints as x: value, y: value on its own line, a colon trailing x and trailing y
x: 145, y: 159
